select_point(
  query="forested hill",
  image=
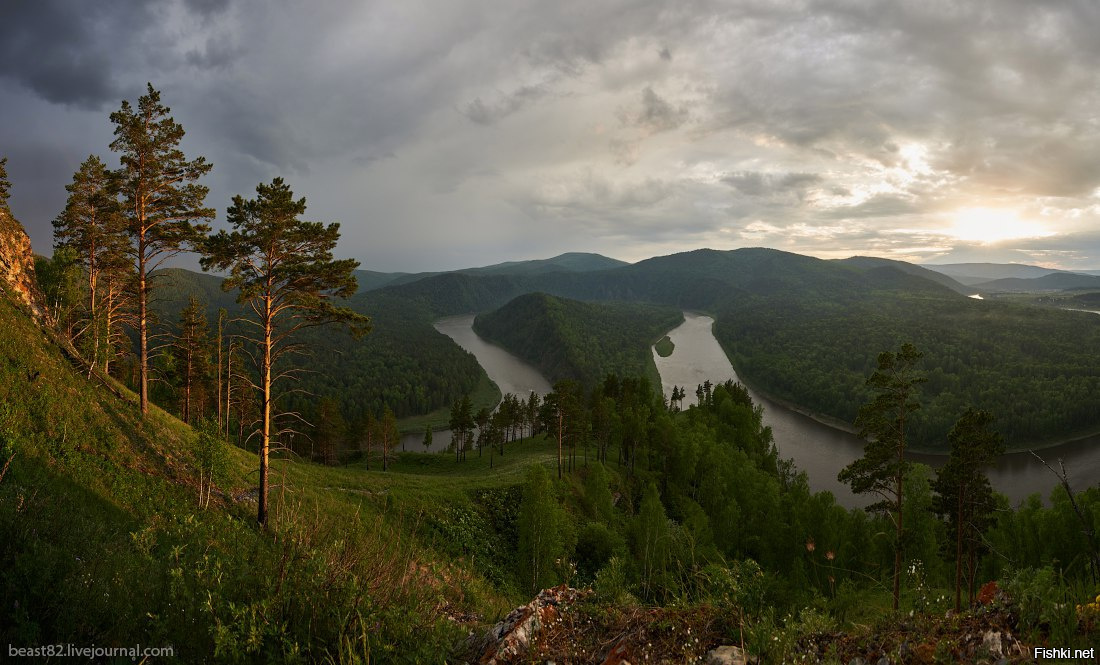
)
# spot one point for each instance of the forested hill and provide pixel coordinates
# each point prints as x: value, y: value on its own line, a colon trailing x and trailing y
x: 871, y: 262
x: 700, y: 279
x: 567, y: 339
x: 802, y: 329
x: 1034, y: 367
x: 404, y: 363
x: 370, y: 280
x: 1058, y: 281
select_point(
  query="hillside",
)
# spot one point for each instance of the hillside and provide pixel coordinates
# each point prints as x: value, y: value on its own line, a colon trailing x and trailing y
x: 567, y: 339
x: 1058, y: 281
x: 869, y: 262
x: 798, y: 328
x: 404, y: 363
x: 691, y: 535
x: 974, y: 273
x: 568, y: 262
x: 102, y: 540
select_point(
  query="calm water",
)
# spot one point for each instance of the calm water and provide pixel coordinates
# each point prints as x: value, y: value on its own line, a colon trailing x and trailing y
x: 511, y: 374
x: 818, y: 449
x: 822, y: 451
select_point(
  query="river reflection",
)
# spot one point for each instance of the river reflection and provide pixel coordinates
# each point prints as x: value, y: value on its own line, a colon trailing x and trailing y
x: 822, y: 451
x: 511, y: 374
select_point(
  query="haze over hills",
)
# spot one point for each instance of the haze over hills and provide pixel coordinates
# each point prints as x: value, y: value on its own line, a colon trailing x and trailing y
x: 927, y: 272
x: 971, y: 274
x: 1056, y: 281
x: 799, y: 328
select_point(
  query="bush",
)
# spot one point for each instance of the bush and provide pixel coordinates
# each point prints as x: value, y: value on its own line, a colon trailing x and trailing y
x: 211, y: 459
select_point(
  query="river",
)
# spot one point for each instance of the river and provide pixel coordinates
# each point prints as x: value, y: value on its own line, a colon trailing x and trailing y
x: 818, y: 449
x: 822, y: 451
x: 511, y: 374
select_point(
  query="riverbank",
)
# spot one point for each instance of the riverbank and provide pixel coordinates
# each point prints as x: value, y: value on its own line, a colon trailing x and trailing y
x: 485, y: 395
x: 842, y: 426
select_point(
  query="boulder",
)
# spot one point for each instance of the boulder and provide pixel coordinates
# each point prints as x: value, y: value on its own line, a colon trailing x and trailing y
x: 726, y: 655
x: 17, y: 264
x: 512, y: 637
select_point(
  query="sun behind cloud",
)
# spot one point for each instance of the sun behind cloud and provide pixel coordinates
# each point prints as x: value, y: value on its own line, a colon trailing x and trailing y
x: 993, y: 225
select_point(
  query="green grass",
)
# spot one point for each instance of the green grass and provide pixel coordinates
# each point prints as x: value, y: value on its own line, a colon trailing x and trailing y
x: 664, y: 347
x: 102, y: 540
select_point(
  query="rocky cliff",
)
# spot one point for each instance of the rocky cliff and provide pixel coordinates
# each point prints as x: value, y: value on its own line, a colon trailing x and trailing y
x: 17, y: 264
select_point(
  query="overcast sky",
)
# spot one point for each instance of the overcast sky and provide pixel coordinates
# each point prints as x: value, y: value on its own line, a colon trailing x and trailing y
x: 455, y: 133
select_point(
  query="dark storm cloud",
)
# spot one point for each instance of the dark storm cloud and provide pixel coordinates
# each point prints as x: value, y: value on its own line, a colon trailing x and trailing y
x: 84, y: 54
x: 65, y: 51
x: 815, y: 124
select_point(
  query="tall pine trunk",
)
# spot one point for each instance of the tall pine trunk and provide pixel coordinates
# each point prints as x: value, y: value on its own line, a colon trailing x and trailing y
x: 143, y: 330
x: 265, y: 442
x: 959, y: 553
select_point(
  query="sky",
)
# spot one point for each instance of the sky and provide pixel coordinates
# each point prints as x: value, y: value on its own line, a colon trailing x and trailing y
x: 457, y: 133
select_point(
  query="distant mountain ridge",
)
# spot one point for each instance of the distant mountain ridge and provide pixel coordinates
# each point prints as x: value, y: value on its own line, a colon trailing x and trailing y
x: 971, y: 274
x: 370, y: 280
x: 869, y: 262
x: 1057, y: 281
x: 799, y: 328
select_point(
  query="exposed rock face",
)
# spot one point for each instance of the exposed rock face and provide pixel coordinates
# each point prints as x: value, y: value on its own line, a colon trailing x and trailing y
x: 17, y: 263
x: 509, y: 640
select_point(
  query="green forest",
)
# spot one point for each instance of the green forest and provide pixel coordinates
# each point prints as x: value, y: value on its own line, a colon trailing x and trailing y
x: 680, y: 523
x: 567, y: 339
x: 192, y: 461
x: 796, y: 328
x: 1027, y: 363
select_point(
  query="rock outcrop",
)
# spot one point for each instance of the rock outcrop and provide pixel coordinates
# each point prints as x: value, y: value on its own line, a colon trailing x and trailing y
x: 510, y: 639
x: 17, y: 264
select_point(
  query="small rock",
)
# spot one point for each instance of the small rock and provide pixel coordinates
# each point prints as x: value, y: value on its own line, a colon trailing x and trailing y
x: 857, y: 661
x: 726, y: 655
x: 883, y: 661
x: 991, y: 642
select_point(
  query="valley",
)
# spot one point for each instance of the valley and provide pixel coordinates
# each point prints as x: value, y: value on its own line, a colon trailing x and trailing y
x: 599, y: 485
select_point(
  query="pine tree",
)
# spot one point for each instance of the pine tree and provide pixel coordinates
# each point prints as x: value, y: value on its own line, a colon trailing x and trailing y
x: 330, y: 430
x: 162, y: 200
x: 462, y: 421
x: 567, y: 410
x: 192, y: 351
x: 92, y: 225
x: 964, y: 495
x: 882, y: 424
x: 285, y: 272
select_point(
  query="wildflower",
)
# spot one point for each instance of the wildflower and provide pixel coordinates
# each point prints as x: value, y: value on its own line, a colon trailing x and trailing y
x: 810, y: 545
x: 830, y: 555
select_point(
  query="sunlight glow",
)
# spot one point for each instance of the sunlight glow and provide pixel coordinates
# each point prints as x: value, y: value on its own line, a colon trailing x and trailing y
x: 993, y: 225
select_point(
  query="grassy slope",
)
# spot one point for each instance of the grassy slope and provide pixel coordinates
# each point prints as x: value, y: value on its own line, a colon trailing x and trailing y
x: 101, y: 540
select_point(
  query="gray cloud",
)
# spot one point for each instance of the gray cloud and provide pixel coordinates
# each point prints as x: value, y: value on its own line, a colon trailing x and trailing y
x: 755, y: 183
x: 443, y: 134
x: 486, y: 113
